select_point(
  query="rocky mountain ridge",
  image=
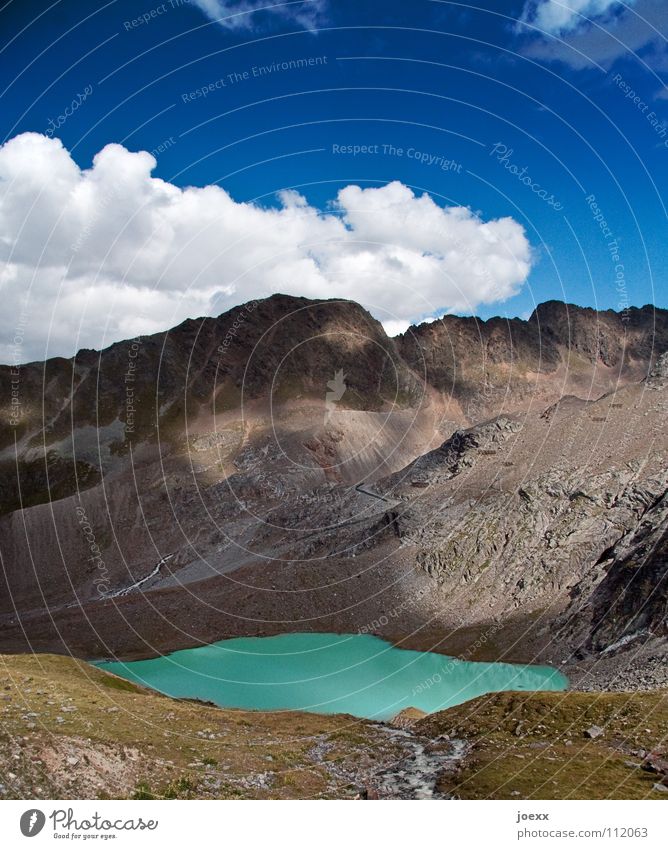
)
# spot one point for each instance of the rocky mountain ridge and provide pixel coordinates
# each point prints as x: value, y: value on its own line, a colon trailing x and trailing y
x: 69, y: 422
x: 307, y: 475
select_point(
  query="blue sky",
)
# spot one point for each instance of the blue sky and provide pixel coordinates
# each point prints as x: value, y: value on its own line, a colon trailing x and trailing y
x: 508, y: 119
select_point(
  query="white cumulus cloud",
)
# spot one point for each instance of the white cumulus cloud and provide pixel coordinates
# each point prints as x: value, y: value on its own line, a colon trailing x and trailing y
x: 559, y: 17
x: 625, y: 30
x: 243, y: 14
x: 91, y: 256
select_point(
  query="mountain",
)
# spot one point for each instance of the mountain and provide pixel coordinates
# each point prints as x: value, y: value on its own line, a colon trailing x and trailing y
x: 77, y: 418
x: 492, y: 489
x: 510, y: 364
x: 74, y: 418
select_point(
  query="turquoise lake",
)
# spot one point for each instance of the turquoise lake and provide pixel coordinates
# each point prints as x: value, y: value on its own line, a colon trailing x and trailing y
x: 328, y: 673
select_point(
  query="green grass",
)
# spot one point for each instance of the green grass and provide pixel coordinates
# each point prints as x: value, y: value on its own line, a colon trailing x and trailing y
x: 115, y: 683
x: 70, y: 730
x: 130, y: 742
x: 534, y: 746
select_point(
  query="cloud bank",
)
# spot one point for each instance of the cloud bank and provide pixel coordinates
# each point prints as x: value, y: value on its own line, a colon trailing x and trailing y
x: 613, y: 31
x: 88, y: 257
x: 245, y: 14
x: 559, y: 17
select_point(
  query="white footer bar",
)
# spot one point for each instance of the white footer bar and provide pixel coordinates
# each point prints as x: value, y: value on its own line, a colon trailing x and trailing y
x: 251, y: 824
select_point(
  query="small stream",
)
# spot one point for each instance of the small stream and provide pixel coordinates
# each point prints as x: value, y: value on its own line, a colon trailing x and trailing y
x: 140, y: 583
x: 415, y: 776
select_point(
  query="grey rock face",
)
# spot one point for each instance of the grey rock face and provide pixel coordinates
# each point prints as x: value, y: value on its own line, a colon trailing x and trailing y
x: 532, y: 546
x: 658, y: 376
x: 458, y: 453
x: 631, y: 601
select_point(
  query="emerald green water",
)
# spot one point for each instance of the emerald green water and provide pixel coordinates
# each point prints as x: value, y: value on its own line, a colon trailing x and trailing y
x: 328, y: 673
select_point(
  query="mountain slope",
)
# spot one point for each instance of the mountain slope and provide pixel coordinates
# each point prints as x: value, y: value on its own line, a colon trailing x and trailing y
x: 316, y: 480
